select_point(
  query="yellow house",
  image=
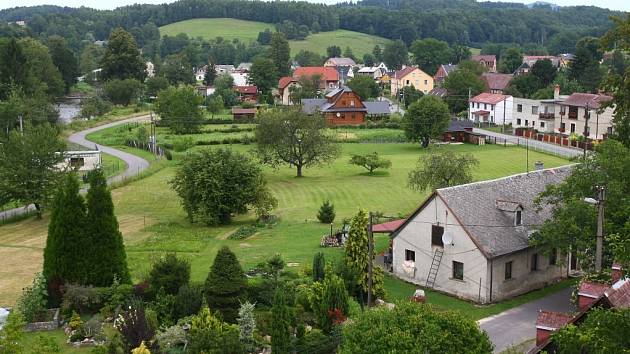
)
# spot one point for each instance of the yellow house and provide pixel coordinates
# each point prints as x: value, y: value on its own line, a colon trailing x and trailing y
x: 411, y: 76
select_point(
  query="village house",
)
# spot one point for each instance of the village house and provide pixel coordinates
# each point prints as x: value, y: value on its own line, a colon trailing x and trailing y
x: 222, y: 69
x: 535, y: 114
x: 200, y: 73
x: 411, y: 76
x: 491, y: 108
x: 244, y: 67
x: 487, y: 61
x: 375, y: 72
x: 472, y: 240
x: 495, y: 82
x: 461, y: 131
x: 343, y: 66
x: 243, y: 115
x: 81, y: 160
x: 329, y: 80
x: 442, y: 72
x: 584, y: 114
x: 247, y: 93
x: 344, y: 107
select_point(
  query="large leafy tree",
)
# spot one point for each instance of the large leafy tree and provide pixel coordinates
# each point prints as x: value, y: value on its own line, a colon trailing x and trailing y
x: 123, y: 92
x: 64, y: 255
x: 395, y: 54
x: 364, y: 86
x: 430, y: 53
x: 42, y: 76
x: 333, y: 51
x: 12, y: 68
x: 511, y: 59
x: 440, y: 169
x: 458, y: 85
x: 63, y: 57
x: 619, y: 83
x: 584, y: 67
x: 28, y: 165
x: 178, y: 108
x: 226, y: 285
x: 263, y: 74
x: 280, y: 53
x: 545, y: 72
x: 215, y: 184
x: 425, y: 119
x: 308, y: 87
x: 176, y: 69
x: 90, y: 59
x: 122, y: 59
x: 413, y: 328
x: 108, y: 259
x: 308, y: 58
x: 295, y: 138
x: 573, y: 223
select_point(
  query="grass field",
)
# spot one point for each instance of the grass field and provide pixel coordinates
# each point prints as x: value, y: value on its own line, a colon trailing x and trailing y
x: 247, y: 31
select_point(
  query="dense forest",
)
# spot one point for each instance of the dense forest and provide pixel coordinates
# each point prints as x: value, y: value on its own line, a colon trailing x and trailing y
x: 464, y: 22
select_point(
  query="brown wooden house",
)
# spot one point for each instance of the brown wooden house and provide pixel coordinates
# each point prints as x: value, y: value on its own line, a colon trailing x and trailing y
x: 340, y: 107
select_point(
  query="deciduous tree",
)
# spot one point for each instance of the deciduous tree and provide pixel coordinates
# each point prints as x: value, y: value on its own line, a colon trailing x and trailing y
x: 333, y: 51
x: 122, y: 92
x: 395, y: 54
x: 295, y: 138
x: 458, y: 85
x: 177, y: 69
x: 263, y: 74
x: 122, y: 59
x: 425, y: 119
x: 64, y: 59
x: 511, y: 60
x: 178, y: 108
x: 439, y: 169
x: 364, y: 86
x: 430, y: 53
x: 226, y: 285
x: 370, y: 162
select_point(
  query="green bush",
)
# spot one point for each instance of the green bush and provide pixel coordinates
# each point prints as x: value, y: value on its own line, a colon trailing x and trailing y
x: 83, y: 299
x: 183, y: 144
x: 226, y: 285
x: 94, y: 107
x: 32, y: 303
x: 169, y: 273
x: 326, y: 214
x: 243, y: 232
x: 188, y: 301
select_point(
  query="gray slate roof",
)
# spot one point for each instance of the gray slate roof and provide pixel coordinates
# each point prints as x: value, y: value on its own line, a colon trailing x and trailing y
x: 377, y: 107
x: 313, y: 105
x: 481, y: 208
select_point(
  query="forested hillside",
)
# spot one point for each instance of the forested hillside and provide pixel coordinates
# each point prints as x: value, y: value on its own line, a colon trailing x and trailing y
x: 455, y: 21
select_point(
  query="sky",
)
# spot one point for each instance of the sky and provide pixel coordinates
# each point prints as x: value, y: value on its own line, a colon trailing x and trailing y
x: 623, y: 5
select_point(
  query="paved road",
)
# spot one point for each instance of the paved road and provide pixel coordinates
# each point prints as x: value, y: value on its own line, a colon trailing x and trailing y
x: 134, y: 163
x: 564, y: 151
x: 518, y: 325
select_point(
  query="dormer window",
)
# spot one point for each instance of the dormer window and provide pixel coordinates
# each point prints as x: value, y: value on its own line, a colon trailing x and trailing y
x: 518, y: 218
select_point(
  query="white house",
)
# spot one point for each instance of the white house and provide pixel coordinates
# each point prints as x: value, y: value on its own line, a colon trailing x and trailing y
x: 200, y: 73
x: 81, y: 160
x: 375, y: 72
x: 491, y: 108
x: 535, y: 114
x: 472, y: 241
x: 149, y: 69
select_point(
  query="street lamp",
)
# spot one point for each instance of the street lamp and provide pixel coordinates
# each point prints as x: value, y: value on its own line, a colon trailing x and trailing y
x: 599, y: 202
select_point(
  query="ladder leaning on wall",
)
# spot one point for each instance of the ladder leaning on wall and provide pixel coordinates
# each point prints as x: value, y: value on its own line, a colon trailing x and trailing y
x: 435, y: 265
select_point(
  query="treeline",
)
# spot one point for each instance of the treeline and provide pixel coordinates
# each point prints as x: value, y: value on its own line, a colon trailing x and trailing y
x: 455, y: 21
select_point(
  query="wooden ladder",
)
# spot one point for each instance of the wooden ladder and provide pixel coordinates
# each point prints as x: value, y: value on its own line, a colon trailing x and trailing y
x: 435, y: 265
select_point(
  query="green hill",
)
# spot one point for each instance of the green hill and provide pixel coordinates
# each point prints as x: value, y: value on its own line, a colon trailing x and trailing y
x: 247, y: 31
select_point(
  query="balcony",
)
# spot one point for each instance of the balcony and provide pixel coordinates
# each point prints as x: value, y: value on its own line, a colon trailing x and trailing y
x: 547, y: 115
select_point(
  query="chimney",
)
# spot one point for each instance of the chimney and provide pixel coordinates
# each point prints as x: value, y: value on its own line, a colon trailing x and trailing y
x: 539, y: 166
x: 556, y: 92
x: 616, y: 273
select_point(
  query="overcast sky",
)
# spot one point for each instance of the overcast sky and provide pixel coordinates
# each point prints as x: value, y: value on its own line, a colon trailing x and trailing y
x: 110, y: 4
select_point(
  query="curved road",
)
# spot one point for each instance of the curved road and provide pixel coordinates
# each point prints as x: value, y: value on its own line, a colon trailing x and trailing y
x: 135, y: 164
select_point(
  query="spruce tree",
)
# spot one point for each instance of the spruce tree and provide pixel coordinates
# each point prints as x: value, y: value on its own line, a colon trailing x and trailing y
x: 107, y: 251
x: 66, y: 245
x: 319, y: 265
x: 280, y: 324
x: 226, y: 285
x: 326, y: 213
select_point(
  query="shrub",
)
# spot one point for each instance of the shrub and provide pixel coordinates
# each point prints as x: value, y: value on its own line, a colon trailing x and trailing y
x: 183, y: 144
x: 32, y: 303
x: 226, y: 285
x: 122, y: 91
x: 163, y: 306
x: 92, y: 328
x: 171, y: 337
x: 142, y: 349
x: 94, y: 107
x: 243, y: 232
x: 370, y: 162
x: 45, y: 345
x: 247, y: 325
x: 319, y: 265
x: 75, y: 321
x: 169, y: 273
x: 326, y: 213
x: 83, y: 299
x: 188, y: 301
x: 134, y: 327
x: 209, y: 335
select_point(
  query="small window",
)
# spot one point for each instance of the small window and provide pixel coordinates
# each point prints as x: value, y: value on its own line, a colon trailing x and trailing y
x: 508, y: 270
x: 542, y: 124
x: 478, y: 105
x: 77, y: 162
x: 534, y: 109
x: 572, y: 127
x: 485, y: 106
x: 351, y: 103
x: 436, y: 235
x: 526, y: 122
x: 518, y: 121
x: 519, y: 108
x: 458, y: 270
x: 563, y: 125
x: 426, y: 82
x: 553, y: 257
x: 518, y: 219
x: 410, y: 255
x: 609, y: 130
x: 534, y: 264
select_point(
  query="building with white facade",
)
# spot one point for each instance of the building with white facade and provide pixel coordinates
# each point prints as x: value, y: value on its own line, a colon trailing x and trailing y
x: 472, y: 240
x: 491, y: 108
x: 535, y: 114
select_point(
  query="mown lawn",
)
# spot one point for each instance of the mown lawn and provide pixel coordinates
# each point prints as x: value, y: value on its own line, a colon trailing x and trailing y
x: 153, y: 222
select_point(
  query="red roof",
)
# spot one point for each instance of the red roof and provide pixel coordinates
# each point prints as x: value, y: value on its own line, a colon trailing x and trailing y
x: 388, y: 227
x: 246, y: 89
x: 285, y: 81
x: 593, y: 290
x: 583, y: 99
x: 486, y: 58
x: 490, y: 98
x: 496, y: 81
x: 236, y: 110
x: 327, y: 73
x: 550, y: 320
x: 620, y: 298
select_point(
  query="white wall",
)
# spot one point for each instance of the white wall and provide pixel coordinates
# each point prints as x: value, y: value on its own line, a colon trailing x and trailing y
x: 599, y: 124
x: 496, y: 115
x: 525, y: 117
x: 417, y: 237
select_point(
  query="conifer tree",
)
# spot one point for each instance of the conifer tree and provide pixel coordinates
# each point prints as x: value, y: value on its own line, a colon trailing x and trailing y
x: 107, y: 251
x: 66, y: 245
x: 226, y: 285
x: 326, y: 213
x: 280, y: 324
x: 319, y: 265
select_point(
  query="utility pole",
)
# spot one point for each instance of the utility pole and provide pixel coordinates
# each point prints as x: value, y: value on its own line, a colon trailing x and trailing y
x: 503, y: 127
x: 600, y: 228
x: 371, y: 259
x: 527, y: 144
x: 587, y: 115
x: 21, y: 124
x: 468, y: 103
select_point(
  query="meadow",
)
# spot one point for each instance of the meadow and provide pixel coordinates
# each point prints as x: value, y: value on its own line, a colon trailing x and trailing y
x: 247, y: 31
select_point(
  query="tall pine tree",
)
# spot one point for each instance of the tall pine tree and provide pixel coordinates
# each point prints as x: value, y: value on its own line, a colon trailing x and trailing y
x: 280, y: 53
x: 280, y: 324
x: 66, y: 245
x: 107, y: 252
x: 226, y: 285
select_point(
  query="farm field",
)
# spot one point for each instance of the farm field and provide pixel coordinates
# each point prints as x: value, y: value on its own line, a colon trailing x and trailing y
x: 153, y: 222
x: 247, y: 31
